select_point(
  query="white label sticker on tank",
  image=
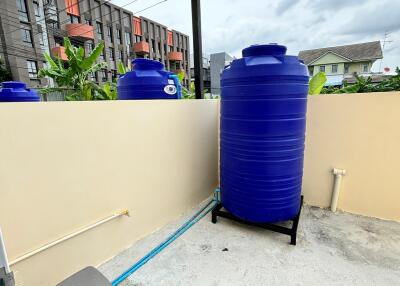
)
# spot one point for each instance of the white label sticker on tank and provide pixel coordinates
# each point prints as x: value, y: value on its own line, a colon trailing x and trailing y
x: 170, y: 89
x: 170, y: 81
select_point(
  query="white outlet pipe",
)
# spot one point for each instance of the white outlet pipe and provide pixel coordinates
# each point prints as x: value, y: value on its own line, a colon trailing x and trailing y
x: 3, y: 255
x: 338, y: 173
x: 68, y: 236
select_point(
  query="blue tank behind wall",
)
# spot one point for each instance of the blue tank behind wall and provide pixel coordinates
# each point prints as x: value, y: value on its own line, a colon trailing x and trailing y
x: 16, y: 91
x: 148, y: 80
x: 263, y: 119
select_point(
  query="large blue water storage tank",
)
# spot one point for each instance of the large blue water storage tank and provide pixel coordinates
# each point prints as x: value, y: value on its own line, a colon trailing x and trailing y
x: 263, y: 119
x: 148, y: 80
x: 16, y: 91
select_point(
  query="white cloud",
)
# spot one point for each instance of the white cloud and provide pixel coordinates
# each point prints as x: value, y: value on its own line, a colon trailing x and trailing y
x: 231, y: 25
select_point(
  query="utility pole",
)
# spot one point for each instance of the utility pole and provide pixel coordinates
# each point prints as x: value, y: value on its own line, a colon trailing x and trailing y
x: 197, y: 49
x: 385, y: 41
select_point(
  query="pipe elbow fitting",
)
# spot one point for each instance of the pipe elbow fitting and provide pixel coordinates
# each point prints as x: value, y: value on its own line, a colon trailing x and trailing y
x: 340, y: 172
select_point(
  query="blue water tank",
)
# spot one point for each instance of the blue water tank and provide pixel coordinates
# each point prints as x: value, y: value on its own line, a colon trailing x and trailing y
x: 148, y: 80
x: 15, y: 91
x: 263, y: 120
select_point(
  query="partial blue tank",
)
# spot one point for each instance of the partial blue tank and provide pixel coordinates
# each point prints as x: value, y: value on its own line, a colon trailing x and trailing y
x: 148, y: 80
x: 263, y: 120
x: 16, y: 91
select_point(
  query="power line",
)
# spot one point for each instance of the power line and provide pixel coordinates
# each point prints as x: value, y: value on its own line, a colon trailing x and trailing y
x: 62, y: 10
x: 129, y: 3
x: 144, y: 9
x: 148, y: 7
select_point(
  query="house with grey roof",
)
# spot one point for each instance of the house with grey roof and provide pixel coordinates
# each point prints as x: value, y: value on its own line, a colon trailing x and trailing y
x: 342, y: 62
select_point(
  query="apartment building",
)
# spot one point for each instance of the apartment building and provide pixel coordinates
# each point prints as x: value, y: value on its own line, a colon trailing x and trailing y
x: 28, y: 28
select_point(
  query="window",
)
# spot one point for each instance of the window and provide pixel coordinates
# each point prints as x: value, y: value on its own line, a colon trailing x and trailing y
x: 36, y: 8
x: 26, y: 37
x: 90, y: 47
x: 365, y: 67
x: 32, y: 68
x: 334, y: 68
x: 170, y: 38
x: 119, y: 36
x: 111, y: 54
x: 113, y: 74
x: 41, y: 40
x: 92, y: 76
x: 127, y: 20
x: 74, y: 19
x: 127, y: 38
x: 138, y: 39
x: 72, y: 7
x: 103, y: 75
x: 99, y: 30
x: 322, y: 68
x: 311, y: 70
x: 137, y: 26
x: 121, y: 56
x: 23, y: 15
x: 346, y: 68
x: 101, y: 57
x: 153, y: 46
x: 88, y: 22
x: 110, y: 34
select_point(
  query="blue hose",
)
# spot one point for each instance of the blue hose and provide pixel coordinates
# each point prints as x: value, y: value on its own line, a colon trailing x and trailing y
x: 188, y: 224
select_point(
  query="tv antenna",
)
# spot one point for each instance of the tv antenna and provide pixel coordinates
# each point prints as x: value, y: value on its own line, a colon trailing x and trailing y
x: 386, y: 40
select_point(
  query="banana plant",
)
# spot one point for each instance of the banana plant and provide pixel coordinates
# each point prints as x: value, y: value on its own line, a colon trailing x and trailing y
x: 75, y: 73
x: 316, y: 83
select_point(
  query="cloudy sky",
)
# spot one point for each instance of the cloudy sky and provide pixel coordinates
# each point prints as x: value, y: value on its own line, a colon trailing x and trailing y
x: 230, y: 25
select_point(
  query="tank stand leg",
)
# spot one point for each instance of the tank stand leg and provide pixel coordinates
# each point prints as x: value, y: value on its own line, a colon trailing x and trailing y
x: 293, y: 235
x: 292, y: 231
x: 214, y: 213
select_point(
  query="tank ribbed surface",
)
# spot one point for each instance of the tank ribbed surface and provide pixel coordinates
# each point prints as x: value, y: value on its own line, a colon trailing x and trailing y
x: 263, y: 118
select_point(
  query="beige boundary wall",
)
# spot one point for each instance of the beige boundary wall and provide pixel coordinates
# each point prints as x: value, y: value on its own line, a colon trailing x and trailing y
x: 361, y: 134
x: 64, y: 165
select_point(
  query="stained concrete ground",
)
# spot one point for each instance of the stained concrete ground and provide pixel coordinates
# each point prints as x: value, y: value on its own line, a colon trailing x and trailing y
x: 332, y: 249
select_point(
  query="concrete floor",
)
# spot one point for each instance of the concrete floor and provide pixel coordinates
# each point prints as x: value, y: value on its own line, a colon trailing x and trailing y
x: 332, y: 249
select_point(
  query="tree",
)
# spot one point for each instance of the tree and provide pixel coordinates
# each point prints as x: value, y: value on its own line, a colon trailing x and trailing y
x: 5, y: 74
x: 74, y: 75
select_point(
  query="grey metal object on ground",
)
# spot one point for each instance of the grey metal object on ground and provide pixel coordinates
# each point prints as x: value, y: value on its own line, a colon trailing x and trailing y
x: 88, y: 276
x: 6, y: 279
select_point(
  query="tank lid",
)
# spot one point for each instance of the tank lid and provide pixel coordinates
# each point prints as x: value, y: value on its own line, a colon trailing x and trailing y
x: 272, y: 49
x: 13, y: 84
x: 146, y: 64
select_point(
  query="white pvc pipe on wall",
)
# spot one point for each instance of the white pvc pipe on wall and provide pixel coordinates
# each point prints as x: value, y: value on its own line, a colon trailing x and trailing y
x: 68, y: 236
x: 338, y: 173
x: 3, y: 255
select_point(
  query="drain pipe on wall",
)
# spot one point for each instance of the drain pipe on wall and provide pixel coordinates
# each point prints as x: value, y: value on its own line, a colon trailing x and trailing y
x: 338, y: 173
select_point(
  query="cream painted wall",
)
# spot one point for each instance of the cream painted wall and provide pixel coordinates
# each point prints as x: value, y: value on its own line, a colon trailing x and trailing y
x: 359, y: 133
x: 65, y: 165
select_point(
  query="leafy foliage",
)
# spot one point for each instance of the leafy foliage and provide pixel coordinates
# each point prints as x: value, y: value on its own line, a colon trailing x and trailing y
x: 317, y: 83
x: 74, y: 74
x: 191, y: 92
x: 5, y: 74
x: 365, y: 84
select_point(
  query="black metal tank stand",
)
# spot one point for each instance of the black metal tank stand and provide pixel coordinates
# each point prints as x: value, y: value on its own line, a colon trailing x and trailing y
x: 292, y: 232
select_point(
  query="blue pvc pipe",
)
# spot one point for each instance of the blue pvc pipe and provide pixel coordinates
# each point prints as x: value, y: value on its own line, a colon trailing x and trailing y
x: 188, y: 224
